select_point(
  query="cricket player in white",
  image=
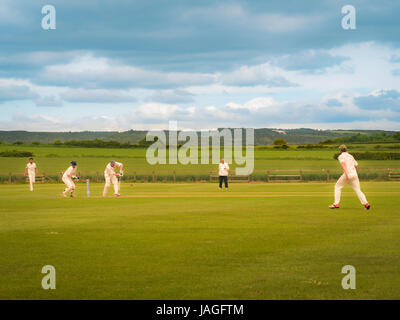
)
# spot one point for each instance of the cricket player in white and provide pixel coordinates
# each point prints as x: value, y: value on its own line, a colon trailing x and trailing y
x: 223, y: 171
x: 350, y: 176
x: 111, y: 176
x: 31, y: 169
x: 67, y: 177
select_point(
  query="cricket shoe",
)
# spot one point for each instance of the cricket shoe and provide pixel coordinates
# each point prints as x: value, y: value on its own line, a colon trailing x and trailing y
x: 117, y: 195
x: 334, y: 206
x: 367, y: 206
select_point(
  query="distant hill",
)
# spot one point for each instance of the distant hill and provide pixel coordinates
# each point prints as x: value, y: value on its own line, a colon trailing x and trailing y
x: 262, y: 136
x: 131, y: 136
x: 311, y: 136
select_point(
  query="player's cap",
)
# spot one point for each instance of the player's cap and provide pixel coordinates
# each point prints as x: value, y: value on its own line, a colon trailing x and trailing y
x: 73, y: 163
x: 112, y: 161
x: 342, y: 148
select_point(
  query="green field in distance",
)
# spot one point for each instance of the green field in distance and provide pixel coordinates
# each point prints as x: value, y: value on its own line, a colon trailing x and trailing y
x: 53, y: 160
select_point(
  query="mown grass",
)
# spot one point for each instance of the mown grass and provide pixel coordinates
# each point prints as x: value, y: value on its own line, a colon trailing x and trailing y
x: 192, y: 241
x: 52, y: 160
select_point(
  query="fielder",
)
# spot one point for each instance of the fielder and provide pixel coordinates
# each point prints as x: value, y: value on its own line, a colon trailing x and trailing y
x: 111, y: 176
x: 31, y: 169
x: 223, y: 174
x: 67, y: 177
x: 349, y: 165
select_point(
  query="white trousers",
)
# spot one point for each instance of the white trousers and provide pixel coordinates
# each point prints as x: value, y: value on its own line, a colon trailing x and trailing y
x: 354, y: 183
x: 70, y: 184
x: 110, y: 179
x: 31, y: 176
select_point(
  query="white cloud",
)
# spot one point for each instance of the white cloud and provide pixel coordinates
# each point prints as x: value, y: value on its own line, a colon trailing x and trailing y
x: 310, y: 60
x: 263, y: 74
x: 41, y: 122
x: 246, y: 96
x: 258, y: 112
x: 96, y: 72
x: 384, y: 124
x: 49, y: 101
x: 171, y: 96
x: 12, y: 90
x: 256, y: 104
x: 279, y: 23
x: 160, y: 112
x: 237, y: 15
x: 97, y: 96
x: 380, y: 100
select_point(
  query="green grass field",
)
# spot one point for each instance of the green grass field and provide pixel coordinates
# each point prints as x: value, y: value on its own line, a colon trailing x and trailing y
x: 193, y: 241
x: 52, y: 160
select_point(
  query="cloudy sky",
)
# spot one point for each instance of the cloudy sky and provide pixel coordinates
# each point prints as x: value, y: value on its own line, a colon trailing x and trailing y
x: 119, y: 65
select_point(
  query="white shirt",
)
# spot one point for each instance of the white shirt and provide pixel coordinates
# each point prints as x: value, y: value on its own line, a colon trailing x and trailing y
x: 110, y: 171
x: 71, y: 171
x: 223, y: 169
x: 350, y: 162
x: 31, y: 167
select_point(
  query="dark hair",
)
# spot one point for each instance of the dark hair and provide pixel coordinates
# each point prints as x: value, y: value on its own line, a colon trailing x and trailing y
x: 31, y: 158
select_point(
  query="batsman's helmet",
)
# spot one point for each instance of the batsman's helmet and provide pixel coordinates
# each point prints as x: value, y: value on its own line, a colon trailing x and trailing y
x: 73, y: 163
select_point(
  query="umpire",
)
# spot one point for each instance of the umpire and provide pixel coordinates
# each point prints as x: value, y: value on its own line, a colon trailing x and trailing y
x: 223, y: 173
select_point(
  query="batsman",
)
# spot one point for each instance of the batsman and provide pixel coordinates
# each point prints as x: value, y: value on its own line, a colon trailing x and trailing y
x: 111, y: 176
x: 67, y: 177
